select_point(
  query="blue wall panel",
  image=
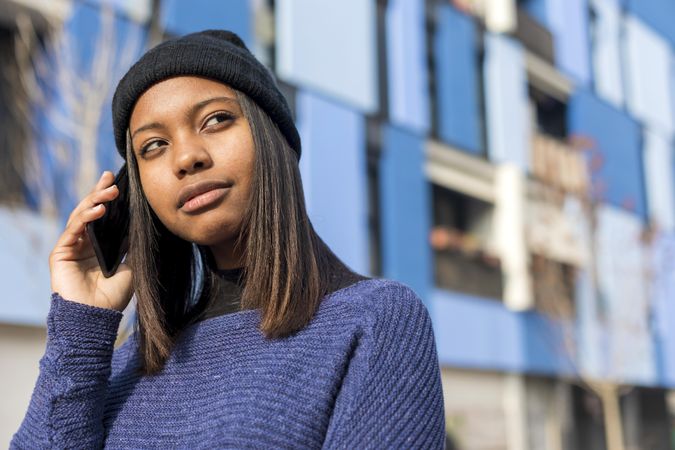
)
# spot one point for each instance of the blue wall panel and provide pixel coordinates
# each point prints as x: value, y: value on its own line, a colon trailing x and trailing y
x: 333, y: 167
x: 658, y: 14
x: 647, y: 62
x: 330, y: 47
x: 568, y: 21
x: 506, y: 101
x: 407, y: 65
x: 572, y: 42
x: 473, y: 332
x: 405, y: 210
x: 616, y: 156
x: 544, y: 346
x: 622, y: 283
x: 589, y: 332
x: 479, y: 333
x: 663, y: 301
x: 606, y: 51
x: 187, y: 16
x: 457, y: 80
x: 658, y: 168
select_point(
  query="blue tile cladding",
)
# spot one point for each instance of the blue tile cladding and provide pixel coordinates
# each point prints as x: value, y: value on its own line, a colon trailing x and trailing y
x: 482, y: 333
x: 663, y: 288
x: 457, y: 80
x: 616, y: 156
x: 572, y: 40
x: 607, y: 52
x: 333, y: 168
x: 331, y: 47
x: 405, y: 210
x: 408, y: 86
x: 506, y: 101
x: 568, y: 21
x: 187, y: 16
x: 658, y: 14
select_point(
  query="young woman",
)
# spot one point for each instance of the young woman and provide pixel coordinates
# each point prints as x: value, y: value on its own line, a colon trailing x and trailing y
x: 251, y: 333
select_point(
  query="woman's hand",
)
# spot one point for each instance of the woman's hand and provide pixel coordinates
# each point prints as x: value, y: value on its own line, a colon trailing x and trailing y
x: 75, y: 273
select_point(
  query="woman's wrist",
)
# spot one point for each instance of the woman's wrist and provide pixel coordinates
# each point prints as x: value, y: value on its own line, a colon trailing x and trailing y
x: 82, y: 324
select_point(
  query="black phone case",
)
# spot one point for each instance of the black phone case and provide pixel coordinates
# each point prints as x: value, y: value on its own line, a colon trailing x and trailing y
x: 109, y: 235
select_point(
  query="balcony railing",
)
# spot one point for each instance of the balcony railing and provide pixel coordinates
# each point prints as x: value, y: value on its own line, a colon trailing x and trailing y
x: 559, y: 164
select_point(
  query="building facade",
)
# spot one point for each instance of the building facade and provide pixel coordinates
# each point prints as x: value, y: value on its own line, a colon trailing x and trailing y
x: 512, y: 161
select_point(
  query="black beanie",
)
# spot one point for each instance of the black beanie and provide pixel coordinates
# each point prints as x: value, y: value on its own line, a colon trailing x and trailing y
x: 215, y: 54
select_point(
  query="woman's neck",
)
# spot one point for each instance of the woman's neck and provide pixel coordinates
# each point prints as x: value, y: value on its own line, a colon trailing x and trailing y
x: 227, y: 256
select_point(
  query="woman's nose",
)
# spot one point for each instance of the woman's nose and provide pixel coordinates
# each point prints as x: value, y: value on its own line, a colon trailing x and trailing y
x: 191, y: 157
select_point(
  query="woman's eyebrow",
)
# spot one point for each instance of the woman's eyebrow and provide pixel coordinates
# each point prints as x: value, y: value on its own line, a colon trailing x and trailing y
x: 199, y: 105
x: 149, y: 126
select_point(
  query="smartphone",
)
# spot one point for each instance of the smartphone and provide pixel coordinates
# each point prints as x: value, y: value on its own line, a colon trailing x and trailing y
x: 109, y: 235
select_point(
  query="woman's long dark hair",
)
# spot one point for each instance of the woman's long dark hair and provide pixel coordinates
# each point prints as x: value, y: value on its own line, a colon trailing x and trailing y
x: 287, y: 270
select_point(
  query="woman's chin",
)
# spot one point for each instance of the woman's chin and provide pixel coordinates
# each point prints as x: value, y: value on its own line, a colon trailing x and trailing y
x: 211, y: 236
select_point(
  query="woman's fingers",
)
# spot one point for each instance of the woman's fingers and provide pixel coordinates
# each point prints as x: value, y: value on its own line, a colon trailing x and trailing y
x: 105, y: 194
x: 93, y: 199
x: 101, y: 183
x: 75, y: 228
x: 73, y: 240
x: 79, y: 249
x: 105, y: 180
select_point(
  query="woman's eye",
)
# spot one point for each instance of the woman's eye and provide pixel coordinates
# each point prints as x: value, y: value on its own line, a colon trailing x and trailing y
x: 151, y: 146
x: 217, y: 119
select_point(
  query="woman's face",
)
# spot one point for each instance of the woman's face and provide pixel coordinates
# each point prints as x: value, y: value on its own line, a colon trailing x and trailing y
x: 195, y: 158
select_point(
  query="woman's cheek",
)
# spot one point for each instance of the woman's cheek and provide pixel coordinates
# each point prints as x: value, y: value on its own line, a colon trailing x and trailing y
x: 161, y: 211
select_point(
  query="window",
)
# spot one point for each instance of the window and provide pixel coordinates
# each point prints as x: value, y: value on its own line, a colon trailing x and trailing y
x: 553, y: 285
x: 561, y: 178
x: 554, y: 161
x: 463, y: 260
x: 589, y: 429
x: 550, y: 113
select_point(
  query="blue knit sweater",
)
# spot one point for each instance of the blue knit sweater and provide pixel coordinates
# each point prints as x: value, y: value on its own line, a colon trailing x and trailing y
x: 362, y: 374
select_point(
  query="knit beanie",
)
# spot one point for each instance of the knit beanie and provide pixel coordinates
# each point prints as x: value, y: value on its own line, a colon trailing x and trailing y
x: 215, y: 54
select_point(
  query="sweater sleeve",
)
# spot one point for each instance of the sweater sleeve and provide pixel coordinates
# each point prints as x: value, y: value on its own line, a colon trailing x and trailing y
x: 66, y: 407
x: 391, y: 394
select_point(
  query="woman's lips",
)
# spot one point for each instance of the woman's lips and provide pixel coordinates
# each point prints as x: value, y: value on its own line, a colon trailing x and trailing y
x: 203, y: 200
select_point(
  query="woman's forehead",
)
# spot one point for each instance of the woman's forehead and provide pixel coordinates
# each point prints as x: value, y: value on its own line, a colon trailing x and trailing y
x: 178, y: 93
